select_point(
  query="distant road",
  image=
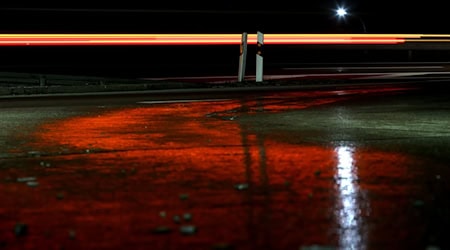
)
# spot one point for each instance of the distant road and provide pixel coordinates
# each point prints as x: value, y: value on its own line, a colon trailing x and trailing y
x: 430, y: 71
x: 221, y: 62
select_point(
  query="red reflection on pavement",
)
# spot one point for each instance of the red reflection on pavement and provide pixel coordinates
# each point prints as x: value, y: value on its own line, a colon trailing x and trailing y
x: 115, y: 200
x: 115, y: 176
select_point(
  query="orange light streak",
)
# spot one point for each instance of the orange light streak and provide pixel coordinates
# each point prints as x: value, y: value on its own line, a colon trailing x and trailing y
x: 210, y: 39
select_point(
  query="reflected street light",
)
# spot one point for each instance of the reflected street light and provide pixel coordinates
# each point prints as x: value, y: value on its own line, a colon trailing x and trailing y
x: 341, y: 12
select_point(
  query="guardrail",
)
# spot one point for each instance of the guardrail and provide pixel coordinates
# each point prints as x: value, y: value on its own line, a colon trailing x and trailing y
x: 60, y: 80
x: 12, y: 83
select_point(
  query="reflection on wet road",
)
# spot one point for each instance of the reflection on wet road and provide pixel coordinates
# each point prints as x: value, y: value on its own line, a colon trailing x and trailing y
x: 347, y: 211
x: 134, y: 177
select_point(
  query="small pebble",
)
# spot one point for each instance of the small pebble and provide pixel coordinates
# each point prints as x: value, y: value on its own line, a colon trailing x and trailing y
x: 187, y: 216
x: 21, y: 229
x: 72, y: 234
x: 241, y: 186
x: 188, y: 229
x: 45, y: 164
x: 184, y: 196
x: 176, y: 219
x: 161, y: 230
x: 222, y: 246
x: 32, y: 183
x: 60, y: 196
x: 26, y: 179
x: 317, y: 247
x: 34, y: 153
x: 418, y: 203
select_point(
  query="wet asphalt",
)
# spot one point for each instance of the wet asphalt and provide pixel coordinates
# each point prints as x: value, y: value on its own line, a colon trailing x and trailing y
x: 329, y: 167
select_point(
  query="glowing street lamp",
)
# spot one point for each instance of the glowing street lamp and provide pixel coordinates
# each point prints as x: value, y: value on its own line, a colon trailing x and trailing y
x: 341, y: 12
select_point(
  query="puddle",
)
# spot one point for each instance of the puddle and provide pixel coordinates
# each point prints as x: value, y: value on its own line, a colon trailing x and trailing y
x: 117, y: 179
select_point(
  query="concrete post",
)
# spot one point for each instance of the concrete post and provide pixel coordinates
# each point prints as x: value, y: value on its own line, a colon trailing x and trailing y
x: 42, y: 80
x: 410, y: 55
x: 259, y: 56
x: 242, y: 57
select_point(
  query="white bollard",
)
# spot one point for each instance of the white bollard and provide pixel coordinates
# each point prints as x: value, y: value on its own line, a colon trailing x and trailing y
x: 42, y: 80
x: 259, y: 57
x: 242, y: 57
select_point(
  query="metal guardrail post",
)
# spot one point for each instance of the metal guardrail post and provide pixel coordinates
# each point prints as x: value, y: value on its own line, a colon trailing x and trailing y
x: 42, y: 80
x: 242, y: 57
x: 259, y: 57
x: 410, y: 55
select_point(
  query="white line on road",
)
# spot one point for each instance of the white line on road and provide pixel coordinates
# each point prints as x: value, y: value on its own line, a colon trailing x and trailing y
x: 183, y: 101
x: 404, y: 74
x: 368, y: 67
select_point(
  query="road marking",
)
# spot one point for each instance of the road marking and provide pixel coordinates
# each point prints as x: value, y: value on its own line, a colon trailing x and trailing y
x: 405, y: 74
x: 367, y: 67
x: 183, y: 101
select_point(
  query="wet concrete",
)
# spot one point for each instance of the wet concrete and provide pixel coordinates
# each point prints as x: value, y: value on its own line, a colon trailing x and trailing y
x: 343, y: 168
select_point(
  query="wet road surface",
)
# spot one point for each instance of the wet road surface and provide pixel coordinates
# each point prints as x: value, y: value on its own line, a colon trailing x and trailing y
x: 340, y: 168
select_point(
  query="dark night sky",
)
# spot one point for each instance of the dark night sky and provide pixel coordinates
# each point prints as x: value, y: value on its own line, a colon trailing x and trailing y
x: 279, y: 16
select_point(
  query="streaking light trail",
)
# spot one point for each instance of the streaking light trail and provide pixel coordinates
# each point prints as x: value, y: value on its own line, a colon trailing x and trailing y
x: 210, y: 39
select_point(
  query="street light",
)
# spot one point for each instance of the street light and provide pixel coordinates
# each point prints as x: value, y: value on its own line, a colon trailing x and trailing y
x: 342, y: 12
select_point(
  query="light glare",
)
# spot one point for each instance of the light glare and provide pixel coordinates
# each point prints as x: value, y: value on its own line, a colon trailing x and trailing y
x: 341, y: 12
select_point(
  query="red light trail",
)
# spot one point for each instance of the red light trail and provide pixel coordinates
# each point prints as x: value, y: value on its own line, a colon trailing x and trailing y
x: 209, y: 39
